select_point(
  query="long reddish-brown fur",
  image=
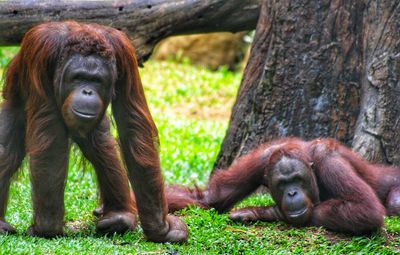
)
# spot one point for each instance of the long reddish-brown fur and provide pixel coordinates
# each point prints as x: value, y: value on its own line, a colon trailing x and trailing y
x: 351, y: 192
x: 31, y: 108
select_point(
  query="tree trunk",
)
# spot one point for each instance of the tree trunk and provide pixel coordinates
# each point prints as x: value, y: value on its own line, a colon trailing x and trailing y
x: 145, y: 21
x: 377, y: 135
x: 310, y: 63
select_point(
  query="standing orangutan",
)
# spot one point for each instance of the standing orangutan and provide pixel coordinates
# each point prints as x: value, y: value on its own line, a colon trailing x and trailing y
x: 58, y: 87
x: 316, y: 183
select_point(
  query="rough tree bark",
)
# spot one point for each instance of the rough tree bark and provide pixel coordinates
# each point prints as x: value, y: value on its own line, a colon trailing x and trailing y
x: 377, y: 136
x: 145, y: 21
x: 310, y: 64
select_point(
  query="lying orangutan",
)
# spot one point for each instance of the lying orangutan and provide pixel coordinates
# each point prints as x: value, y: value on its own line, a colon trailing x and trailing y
x: 315, y: 183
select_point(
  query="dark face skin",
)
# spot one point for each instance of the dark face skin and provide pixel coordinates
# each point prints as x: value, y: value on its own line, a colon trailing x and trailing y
x: 291, y: 187
x: 84, y: 91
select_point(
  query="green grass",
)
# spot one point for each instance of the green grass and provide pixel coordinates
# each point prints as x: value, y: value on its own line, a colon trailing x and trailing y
x: 191, y: 109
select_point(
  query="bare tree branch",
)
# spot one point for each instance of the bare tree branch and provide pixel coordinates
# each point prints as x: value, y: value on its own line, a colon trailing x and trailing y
x: 145, y: 21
